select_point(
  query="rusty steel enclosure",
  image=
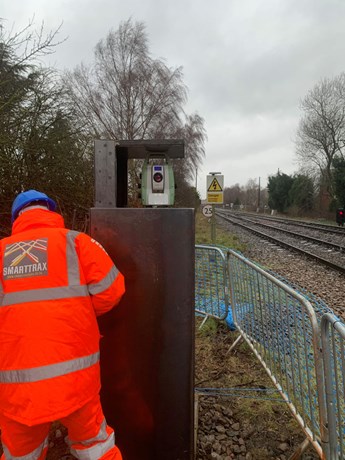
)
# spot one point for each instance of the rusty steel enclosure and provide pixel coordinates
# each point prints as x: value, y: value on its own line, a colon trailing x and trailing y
x: 147, y: 349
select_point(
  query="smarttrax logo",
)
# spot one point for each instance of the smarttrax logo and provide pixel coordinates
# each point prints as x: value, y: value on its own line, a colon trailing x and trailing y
x: 25, y: 258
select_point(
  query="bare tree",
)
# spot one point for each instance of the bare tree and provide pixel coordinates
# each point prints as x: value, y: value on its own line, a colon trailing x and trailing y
x: 127, y: 94
x: 19, y: 52
x: 251, y: 193
x: 29, y: 43
x: 321, y: 131
x: 194, y: 134
x: 233, y: 194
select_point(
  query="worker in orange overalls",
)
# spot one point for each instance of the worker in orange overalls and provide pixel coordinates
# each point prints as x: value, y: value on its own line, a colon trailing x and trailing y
x: 54, y: 282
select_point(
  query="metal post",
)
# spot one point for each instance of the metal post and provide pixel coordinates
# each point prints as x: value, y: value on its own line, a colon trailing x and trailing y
x: 214, y: 195
x: 196, y: 421
x: 213, y: 226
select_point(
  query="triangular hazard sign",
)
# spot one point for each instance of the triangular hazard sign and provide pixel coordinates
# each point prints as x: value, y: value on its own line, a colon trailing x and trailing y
x: 214, y: 186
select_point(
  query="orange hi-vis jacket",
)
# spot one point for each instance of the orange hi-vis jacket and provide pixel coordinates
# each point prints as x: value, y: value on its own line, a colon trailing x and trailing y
x: 54, y: 282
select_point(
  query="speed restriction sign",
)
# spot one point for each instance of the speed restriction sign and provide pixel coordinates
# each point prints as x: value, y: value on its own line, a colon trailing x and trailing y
x: 207, y: 210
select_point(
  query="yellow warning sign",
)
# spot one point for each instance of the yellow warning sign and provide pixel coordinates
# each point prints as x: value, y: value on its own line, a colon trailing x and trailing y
x: 215, y: 198
x: 214, y: 186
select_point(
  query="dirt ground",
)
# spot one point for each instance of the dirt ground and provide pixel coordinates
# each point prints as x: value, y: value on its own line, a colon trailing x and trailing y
x: 58, y: 450
x: 258, y: 425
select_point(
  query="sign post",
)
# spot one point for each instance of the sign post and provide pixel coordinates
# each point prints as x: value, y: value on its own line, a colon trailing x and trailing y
x: 214, y: 187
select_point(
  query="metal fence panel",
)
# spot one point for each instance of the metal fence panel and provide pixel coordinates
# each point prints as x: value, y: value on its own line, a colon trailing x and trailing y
x: 211, y: 282
x: 281, y: 328
x: 333, y: 338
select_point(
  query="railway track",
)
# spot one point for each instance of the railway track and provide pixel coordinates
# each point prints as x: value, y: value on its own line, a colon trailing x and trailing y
x: 321, y: 282
x: 293, y: 222
x: 325, y: 252
x: 329, y: 239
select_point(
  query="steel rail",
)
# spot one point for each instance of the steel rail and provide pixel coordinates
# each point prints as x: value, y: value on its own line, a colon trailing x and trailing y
x: 315, y: 226
x: 319, y: 259
x: 298, y: 235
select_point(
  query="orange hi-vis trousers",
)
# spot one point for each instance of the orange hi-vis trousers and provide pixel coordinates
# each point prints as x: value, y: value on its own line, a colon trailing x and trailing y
x: 89, y: 436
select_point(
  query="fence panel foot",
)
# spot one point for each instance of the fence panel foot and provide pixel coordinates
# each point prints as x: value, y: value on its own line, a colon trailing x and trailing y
x: 301, y: 448
x: 237, y: 341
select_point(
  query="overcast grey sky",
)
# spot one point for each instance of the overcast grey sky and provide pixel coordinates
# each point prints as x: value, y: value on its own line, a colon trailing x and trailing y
x: 247, y: 64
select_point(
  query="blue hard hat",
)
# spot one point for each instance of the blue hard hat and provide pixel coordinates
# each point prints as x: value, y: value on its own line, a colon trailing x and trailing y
x: 30, y: 196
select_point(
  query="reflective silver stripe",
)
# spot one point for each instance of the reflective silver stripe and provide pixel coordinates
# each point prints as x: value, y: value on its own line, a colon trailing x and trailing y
x: 34, y: 455
x: 36, y: 295
x: 50, y: 371
x: 96, y: 451
x: 105, y: 283
x: 101, y: 436
x: 72, y: 259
